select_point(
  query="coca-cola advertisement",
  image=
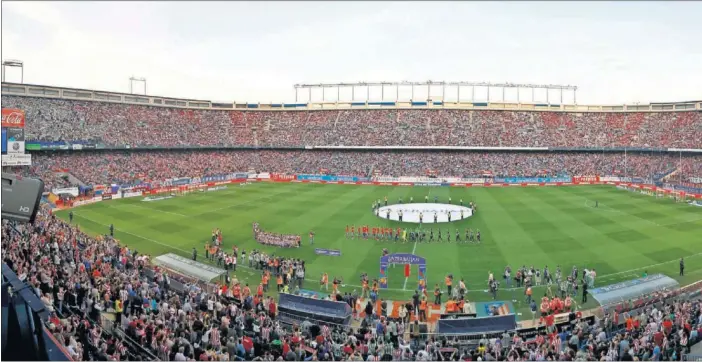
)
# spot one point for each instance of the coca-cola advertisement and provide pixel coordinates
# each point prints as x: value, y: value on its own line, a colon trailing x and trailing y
x: 12, y: 118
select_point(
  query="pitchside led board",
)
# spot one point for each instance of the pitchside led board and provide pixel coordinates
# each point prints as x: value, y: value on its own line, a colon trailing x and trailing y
x: 13, y: 138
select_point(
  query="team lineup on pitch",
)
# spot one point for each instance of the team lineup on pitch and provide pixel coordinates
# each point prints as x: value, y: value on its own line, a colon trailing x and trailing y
x: 523, y: 226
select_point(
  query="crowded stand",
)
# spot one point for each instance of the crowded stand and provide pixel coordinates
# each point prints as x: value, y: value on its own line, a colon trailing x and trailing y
x: 131, y: 167
x: 82, y: 278
x: 140, y: 125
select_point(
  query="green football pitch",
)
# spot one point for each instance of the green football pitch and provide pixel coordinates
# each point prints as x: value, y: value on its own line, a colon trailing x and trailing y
x: 626, y: 235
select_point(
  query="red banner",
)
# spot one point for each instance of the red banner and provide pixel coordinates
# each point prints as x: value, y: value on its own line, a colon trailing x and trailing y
x: 12, y: 118
x: 282, y: 177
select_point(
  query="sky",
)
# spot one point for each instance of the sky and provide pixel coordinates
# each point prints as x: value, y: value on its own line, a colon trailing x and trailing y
x: 614, y: 52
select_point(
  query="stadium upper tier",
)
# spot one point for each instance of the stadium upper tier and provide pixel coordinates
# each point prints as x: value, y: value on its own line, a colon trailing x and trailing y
x: 120, y: 124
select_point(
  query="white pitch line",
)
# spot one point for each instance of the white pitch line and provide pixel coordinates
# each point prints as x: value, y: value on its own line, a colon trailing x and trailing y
x: 404, y: 286
x: 147, y: 239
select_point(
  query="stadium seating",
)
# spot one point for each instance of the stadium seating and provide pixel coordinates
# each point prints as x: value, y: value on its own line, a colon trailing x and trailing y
x: 132, y: 167
x: 136, y: 125
x: 79, y: 277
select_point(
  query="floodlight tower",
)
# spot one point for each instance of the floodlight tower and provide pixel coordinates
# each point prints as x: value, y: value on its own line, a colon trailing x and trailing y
x: 133, y: 79
x: 15, y: 64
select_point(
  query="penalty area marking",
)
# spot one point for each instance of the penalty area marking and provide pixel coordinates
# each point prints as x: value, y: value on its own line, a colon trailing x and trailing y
x: 242, y: 266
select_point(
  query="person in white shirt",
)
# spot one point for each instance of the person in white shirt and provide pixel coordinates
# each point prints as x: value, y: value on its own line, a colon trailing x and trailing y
x: 180, y: 356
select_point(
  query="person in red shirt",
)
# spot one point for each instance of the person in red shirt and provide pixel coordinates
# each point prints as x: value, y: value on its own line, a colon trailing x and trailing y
x: 272, y: 308
x: 667, y: 325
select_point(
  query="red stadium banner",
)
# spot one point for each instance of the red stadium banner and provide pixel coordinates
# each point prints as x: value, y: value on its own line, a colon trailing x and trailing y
x: 12, y: 118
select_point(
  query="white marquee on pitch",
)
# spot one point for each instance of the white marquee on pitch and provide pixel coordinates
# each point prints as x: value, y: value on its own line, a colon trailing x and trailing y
x: 411, y: 212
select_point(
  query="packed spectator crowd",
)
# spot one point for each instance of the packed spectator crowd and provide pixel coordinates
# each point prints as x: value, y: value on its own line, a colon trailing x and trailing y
x: 269, y: 238
x: 80, y: 277
x: 129, y: 167
x: 141, y: 125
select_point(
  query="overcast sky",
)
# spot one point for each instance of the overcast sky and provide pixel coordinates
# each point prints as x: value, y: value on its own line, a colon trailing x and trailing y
x: 615, y: 52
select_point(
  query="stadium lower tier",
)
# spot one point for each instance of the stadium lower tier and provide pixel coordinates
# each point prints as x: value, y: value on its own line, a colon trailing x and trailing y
x: 134, y: 166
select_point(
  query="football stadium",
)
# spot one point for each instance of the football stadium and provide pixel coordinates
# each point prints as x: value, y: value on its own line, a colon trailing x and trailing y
x: 438, y: 226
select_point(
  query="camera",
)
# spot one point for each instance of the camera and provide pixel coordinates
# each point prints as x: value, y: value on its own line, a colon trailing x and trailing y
x: 20, y: 197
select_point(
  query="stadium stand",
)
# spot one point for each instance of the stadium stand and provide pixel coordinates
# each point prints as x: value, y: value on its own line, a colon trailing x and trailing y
x: 137, y: 125
x: 108, y: 302
x: 133, y: 167
x: 158, y: 315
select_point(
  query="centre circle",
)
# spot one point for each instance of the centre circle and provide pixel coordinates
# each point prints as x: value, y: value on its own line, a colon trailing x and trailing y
x: 427, y: 211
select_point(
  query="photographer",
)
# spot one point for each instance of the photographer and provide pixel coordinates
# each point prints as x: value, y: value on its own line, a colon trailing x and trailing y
x: 493, y: 285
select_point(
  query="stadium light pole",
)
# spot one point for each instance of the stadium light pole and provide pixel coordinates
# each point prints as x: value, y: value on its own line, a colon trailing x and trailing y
x: 133, y: 79
x: 14, y: 63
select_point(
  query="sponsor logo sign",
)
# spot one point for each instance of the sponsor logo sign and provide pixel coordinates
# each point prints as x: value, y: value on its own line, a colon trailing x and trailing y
x: 73, y: 191
x: 87, y: 202
x: 328, y: 252
x: 156, y: 198
x: 17, y: 159
x: 12, y: 118
x: 15, y: 140
x: 107, y: 196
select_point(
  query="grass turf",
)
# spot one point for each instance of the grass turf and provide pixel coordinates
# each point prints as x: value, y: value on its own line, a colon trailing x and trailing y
x: 627, y: 234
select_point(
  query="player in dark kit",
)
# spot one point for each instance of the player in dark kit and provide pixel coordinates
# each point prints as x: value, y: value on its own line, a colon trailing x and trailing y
x: 70, y: 216
x: 440, y: 237
x: 436, y: 218
x: 448, y: 236
x: 458, y: 236
x: 112, y: 230
x: 477, y: 235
